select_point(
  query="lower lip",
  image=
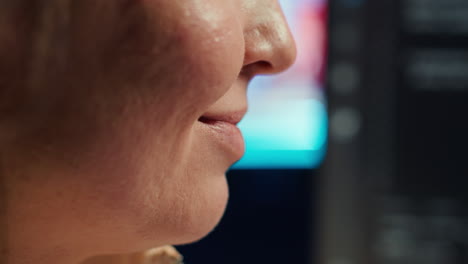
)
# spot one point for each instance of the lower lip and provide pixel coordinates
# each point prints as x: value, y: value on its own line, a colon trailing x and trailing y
x: 228, y: 136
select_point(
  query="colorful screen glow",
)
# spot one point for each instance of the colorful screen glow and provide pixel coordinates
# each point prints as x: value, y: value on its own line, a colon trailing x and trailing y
x: 286, y: 126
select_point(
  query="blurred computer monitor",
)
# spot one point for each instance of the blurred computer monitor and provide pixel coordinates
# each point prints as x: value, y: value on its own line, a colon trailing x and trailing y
x: 286, y: 125
x: 394, y: 184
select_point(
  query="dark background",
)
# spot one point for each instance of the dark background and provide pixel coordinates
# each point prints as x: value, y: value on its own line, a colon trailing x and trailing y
x: 268, y: 220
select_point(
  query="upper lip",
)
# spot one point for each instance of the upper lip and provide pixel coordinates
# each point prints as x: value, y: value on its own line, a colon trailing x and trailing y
x: 233, y: 117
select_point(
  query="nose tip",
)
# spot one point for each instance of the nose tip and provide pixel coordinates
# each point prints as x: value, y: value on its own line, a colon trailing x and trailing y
x: 269, y: 45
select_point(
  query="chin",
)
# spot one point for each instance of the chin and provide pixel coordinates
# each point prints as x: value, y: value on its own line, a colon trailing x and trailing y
x: 186, y: 215
x: 204, y: 214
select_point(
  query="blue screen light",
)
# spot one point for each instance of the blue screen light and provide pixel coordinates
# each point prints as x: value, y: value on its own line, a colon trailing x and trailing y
x: 286, y: 126
x: 292, y: 135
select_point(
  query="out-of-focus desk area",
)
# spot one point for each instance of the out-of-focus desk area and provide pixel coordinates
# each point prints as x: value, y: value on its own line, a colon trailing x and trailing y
x: 388, y: 179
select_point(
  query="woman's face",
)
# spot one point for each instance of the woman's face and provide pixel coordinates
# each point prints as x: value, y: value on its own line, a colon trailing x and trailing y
x: 130, y: 138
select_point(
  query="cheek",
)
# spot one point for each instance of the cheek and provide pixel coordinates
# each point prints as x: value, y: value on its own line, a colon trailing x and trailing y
x: 206, y: 38
x: 176, y: 57
x: 169, y: 198
x: 126, y: 128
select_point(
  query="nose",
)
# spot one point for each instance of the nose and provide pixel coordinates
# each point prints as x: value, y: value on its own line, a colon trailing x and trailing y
x: 269, y: 45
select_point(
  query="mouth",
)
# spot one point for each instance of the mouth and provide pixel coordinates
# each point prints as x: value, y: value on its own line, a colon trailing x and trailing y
x: 224, y: 132
x: 232, y: 118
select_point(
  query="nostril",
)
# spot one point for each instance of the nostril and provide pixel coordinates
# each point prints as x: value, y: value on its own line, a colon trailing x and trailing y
x: 259, y: 67
x: 264, y: 64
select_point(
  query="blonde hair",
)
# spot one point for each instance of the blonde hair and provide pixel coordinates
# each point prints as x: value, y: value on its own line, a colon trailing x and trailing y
x: 50, y: 37
x: 30, y: 32
x: 33, y: 38
x: 34, y: 45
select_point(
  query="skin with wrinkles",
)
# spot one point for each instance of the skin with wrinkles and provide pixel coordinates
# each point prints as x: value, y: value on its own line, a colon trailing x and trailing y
x: 101, y: 150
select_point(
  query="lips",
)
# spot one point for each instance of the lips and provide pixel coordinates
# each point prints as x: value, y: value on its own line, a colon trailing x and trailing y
x: 231, y: 117
x: 224, y: 132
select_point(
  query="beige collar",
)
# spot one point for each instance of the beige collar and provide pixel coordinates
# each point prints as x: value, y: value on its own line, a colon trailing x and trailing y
x: 160, y: 255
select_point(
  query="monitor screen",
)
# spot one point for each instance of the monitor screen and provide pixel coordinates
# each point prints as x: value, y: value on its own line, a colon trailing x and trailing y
x: 286, y: 125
